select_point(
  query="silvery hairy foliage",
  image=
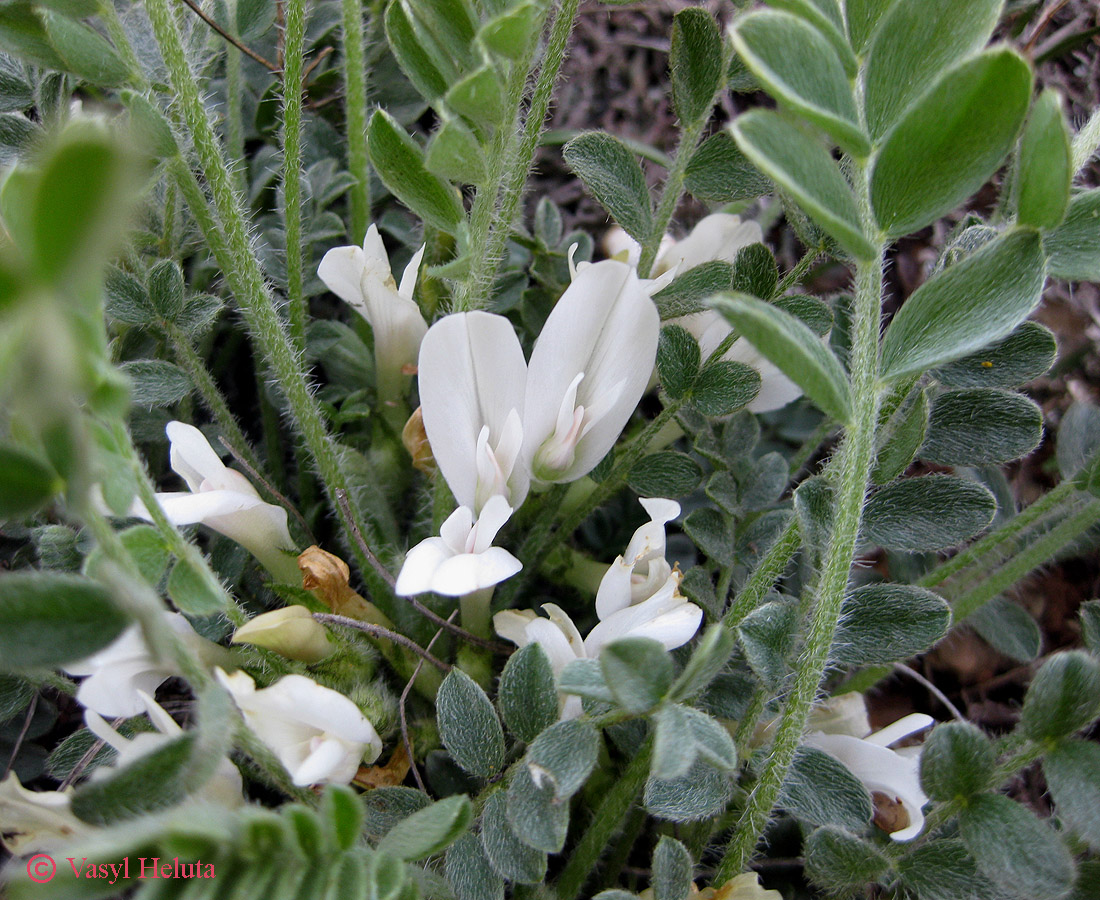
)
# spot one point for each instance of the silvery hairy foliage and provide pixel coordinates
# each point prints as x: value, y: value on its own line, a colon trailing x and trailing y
x: 370, y: 532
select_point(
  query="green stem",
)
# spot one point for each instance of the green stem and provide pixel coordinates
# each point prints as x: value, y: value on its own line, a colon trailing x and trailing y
x: 672, y: 190
x: 233, y: 250
x: 508, y: 185
x: 856, y: 456
x: 765, y: 575
x: 1027, y: 559
x: 795, y: 275
x: 234, y: 95
x: 295, y: 36
x: 355, y: 105
x: 607, y: 820
x: 746, y: 728
x: 974, y: 554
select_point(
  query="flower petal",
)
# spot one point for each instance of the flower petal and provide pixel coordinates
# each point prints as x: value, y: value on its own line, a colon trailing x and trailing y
x: 469, y: 572
x: 421, y: 563
x: 341, y: 270
x: 192, y: 457
x: 717, y: 237
x: 471, y: 374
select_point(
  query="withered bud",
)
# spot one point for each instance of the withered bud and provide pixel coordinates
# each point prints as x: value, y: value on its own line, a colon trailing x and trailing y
x: 415, y: 439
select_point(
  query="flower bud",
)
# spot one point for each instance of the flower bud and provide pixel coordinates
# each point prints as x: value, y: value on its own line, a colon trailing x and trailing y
x: 291, y: 632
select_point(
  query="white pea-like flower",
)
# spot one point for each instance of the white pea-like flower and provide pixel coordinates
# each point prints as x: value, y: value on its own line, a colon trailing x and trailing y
x: 462, y: 559
x: 361, y: 277
x: 36, y: 820
x: 718, y: 237
x: 892, y: 776
x: 638, y: 597
x: 224, y: 788
x: 223, y: 499
x: 116, y: 677
x: 317, y: 733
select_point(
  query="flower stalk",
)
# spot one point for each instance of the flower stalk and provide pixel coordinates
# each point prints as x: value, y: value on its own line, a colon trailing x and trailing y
x: 294, y: 35
x: 355, y: 96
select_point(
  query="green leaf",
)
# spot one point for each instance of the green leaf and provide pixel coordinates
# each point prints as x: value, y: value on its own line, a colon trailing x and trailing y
x: 673, y: 753
x: 415, y: 59
x: 788, y: 344
x: 157, y: 383
x: 15, y: 696
x: 192, y: 592
x: 563, y: 757
x: 536, y: 817
x: 841, y: 862
x: 254, y: 18
x: 527, y: 697
x: 448, y: 24
x: 507, y: 854
x: 17, y: 133
x: 75, y: 208
x: 613, y: 176
x: 767, y: 635
x: 429, y: 830
x: 638, y: 671
x: 802, y: 70
x: 1025, y: 354
x: 826, y: 18
x: 695, y: 63
x: 1044, y: 170
x: 723, y: 387
x: 384, y: 807
x: 982, y: 426
x: 1078, y: 449
x: 149, y: 127
x: 454, y: 153
x: 469, y: 873
x: 1074, y: 246
x: 755, y: 272
x: 166, y: 290
x: 863, y: 17
x: 1008, y: 629
x: 510, y: 33
x: 718, y: 172
x: 1072, y: 770
x: 83, y: 51
x: 927, y: 513
x: 1089, y: 613
x: 710, y: 531
x: 665, y: 474
x: 951, y: 141
x: 708, y: 660
x: 803, y: 167
x: 1064, y: 696
x: 468, y: 725
x: 942, y: 870
x: 917, y: 40
x: 480, y: 98
x: 713, y: 743
x: 956, y: 762
x: 584, y: 677
x: 27, y: 484
x: 688, y: 292
x: 701, y: 793
x: 672, y: 870
x: 1017, y: 852
x: 400, y: 164
x: 884, y: 623
x: 814, y: 504
x: 22, y: 34
x: 678, y: 359
x: 820, y: 790
x: 48, y: 619
x: 342, y: 814
x: 973, y: 303
x: 901, y: 447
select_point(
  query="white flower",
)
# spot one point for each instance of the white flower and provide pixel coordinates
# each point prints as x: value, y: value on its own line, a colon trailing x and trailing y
x: 120, y: 672
x: 892, y: 776
x: 717, y: 237
x: 223, y: 788
x: 638, y: 597
x: 472, y: 377
x: 36, y: 820
x: 318, y: 735
x: 462, y: 559
x: 223, y: 499
x: 588, y: 370
x: 361, y: 276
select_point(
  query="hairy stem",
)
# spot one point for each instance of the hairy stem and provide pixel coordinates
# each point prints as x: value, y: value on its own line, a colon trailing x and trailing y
x: 295, y: 35
x: 856, y: 458
x: 233, y: 250
x: 355, y: 104
x: 1087, y: 141
x: 616, y: 804
x: 765, y: 575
